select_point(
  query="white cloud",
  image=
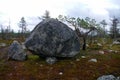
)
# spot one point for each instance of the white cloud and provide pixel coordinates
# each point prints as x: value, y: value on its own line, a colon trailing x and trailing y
x: 15, y: 9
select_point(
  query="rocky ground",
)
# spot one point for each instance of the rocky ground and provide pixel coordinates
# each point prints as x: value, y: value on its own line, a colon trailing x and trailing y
x: 79, y: 68
x: 88, y: 65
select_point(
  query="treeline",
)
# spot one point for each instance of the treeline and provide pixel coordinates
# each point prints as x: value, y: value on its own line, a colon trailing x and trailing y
x: 8, y: 33
x: 84, y: 28
x: 13, y: 35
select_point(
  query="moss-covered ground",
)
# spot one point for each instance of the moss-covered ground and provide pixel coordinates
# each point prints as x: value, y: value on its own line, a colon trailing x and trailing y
x: 76, y: 68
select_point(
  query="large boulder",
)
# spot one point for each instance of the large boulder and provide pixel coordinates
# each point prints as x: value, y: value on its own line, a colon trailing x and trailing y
x: 16, y: 52
x: 52, y: 38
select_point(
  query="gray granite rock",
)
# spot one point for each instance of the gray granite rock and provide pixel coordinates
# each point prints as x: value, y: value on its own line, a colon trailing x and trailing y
x: 16, y: 52
x: 52, y: 38
x: 107, y: 77
x: 2, y: 44
x: 93, y: 60
x: 51, y: 60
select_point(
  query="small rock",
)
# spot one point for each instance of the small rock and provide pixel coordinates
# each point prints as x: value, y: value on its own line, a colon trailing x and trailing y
x: 60, y: 73
x: 16, y: 52
x: 107, y: 77
x: 116, y: 51
x: 83, y: 57
x: 110, y: 51
x: 96, y: 41
x: 41, y: 65
x: 87, y: 45
x: 93, y: 60
x: 2, y: 44
x: 51, y: 60
x: 77, y: 59
x: 37, y: 63
x: 101, y: 52
x: 118, y: 78
x: 99, y: 44
x: 116, y: 42
x: 71, y: 62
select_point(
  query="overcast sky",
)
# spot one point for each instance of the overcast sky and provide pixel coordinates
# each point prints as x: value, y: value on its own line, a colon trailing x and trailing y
x: 13, y: 10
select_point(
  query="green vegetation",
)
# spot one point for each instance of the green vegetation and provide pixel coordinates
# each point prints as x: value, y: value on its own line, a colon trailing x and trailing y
x: 36, y: 68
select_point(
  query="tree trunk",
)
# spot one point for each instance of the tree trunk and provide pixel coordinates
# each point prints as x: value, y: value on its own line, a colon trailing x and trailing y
x: 84, y: 43
x: 84, y: 36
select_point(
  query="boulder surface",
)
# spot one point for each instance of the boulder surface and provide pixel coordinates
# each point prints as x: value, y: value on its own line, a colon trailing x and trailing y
x: 16, y: 52
x: 52, y: 38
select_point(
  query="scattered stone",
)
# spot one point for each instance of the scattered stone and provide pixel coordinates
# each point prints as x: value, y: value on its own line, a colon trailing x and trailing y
x: 16, y: 52
x: 116, y: 51
x: 52, y: 38
x: 83, y: 57
x: 116, y: 42
x: 95, y: 41
x: 87, y: 45
x: 107, y: 77
x: 2, y: 44
x: 101, y: 52
x: 118, y: 78
x: 60, y: 73
x: 77, y: 59
x: 36, y: 63
x: 71, y: 62
x: 110, y: 51
x: 41, y: 65
x: 113, y: 51
x: 51, y: 60
x: 93, y: 60
x: 99, y: 44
